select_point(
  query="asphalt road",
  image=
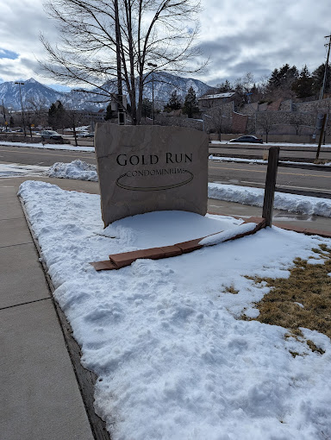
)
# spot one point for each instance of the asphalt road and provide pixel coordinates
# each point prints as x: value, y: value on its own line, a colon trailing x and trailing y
x: 37, y: 156
x: 258, y: 151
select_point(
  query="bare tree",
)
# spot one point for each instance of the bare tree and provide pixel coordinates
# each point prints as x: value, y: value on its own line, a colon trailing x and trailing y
x: 265, y: 121
x: 296, y: 121
x: 37, y: 111
x: 122, y: 40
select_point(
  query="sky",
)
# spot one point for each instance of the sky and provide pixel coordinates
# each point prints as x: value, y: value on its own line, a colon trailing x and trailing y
x: 237, y: 36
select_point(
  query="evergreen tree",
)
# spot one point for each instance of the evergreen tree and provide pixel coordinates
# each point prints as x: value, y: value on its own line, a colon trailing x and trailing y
x: 303, y: 85
x: 56, y: 115
x: 190, y: 103
x: 274, y: 80
x: 173, y: 103
x: 146, y: 109
x: 282, y: 79
x: 318, y: 77
x: 109, y: 113
x: 224, y: 87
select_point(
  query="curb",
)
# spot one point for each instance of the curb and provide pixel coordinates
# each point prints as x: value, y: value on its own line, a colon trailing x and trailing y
x: 117, y: 261
x: 305, y: 231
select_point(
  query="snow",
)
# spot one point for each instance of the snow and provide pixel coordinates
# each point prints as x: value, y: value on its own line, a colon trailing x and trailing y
x: 47, y: 146
x: 280, y: 144
x: 17, y: 170
x: 172, y: 356
x: 264, y: 162
x: 283, y: 201
x: 77, y: 169
x: 227, y: 235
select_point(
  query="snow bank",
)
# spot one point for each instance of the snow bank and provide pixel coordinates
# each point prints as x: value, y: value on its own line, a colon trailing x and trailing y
x: 47, y: 146
x: 261, y: 161
x: 172, y: 357
x: 286, y: 202
x: 77, y: 169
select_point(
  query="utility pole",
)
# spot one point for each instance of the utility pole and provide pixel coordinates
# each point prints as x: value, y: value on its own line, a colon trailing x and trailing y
x: 326, y: 66
x: 322, y: 96
x: 153, y: 106
x: 22, y: 109
x: 4, y: 115
x: 120, y: 113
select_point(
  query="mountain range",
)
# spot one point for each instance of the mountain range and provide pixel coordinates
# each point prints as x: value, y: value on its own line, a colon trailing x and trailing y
x: 36, y: 96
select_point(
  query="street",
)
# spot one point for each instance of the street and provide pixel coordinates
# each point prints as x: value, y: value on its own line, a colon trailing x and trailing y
x: 36, y: 156
x: 294, y: 152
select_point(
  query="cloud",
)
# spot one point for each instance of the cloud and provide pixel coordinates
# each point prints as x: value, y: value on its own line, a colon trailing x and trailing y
x: 238, y: 36
x: 261, y: 36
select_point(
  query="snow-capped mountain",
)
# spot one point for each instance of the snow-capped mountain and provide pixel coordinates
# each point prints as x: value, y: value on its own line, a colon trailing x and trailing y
x: 165, y: 83
x: 38, y: 96
x: 34, y: 95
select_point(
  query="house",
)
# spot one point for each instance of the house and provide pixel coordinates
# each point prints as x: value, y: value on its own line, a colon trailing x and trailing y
x: 210, y: 101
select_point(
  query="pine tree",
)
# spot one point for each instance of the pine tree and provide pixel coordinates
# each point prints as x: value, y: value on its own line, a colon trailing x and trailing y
x: 303, y: 86
x: 173, y: 103
x: 282, y: 79
x: 56, y: 115
x: 318, y: 77
x: 146, y: 109
x: 190, y: 103
x: 224, y: 87
x: 109, y: 113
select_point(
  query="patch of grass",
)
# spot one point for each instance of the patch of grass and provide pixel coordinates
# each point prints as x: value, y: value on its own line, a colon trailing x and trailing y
x: 320, y: 161
x: 231, y: 289
x: 302, y: 300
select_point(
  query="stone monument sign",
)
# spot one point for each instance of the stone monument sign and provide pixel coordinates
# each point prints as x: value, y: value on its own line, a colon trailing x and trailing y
x: 150, y: 168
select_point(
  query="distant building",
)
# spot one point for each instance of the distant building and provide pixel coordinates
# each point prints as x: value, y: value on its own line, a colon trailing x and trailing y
x: 210, y: 101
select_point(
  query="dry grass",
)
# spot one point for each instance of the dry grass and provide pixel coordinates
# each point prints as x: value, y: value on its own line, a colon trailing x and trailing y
x: 302, y: 300
x: 231, y: 289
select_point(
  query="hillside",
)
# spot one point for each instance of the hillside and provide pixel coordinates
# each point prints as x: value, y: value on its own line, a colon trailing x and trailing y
x: 38, y: 96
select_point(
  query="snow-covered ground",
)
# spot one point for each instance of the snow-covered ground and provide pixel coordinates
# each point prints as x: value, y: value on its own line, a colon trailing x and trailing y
x: 262, y: 162
x: 165, y: 339
x: 47, y: 146
x: 283, y: 201
x: 18, y: 170
x: 280, y: 144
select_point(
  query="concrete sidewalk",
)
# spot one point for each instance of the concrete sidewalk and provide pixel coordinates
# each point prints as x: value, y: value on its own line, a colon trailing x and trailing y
x: 40, y: 395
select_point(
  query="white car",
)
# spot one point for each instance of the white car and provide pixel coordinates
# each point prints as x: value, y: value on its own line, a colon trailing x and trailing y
x: 85, y: 134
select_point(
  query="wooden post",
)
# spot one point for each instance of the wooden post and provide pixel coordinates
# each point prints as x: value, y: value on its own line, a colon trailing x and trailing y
x: 321, y: 137
x: 270, y: 185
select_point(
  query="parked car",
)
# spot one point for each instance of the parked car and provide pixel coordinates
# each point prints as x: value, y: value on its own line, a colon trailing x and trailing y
x: 85, y: 134
x: 50, y: 134
x: 248, y: 138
